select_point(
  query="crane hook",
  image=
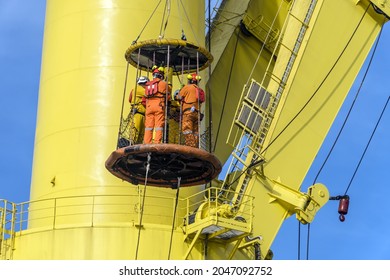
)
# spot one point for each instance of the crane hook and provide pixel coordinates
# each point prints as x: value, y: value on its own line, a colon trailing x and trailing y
x: 343, y: 205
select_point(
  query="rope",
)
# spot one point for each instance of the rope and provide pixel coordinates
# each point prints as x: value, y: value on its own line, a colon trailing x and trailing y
x: 307, y: 241
x: 253, y: 164
x: 167, y: 93
x: 299, y: 241
x: 208, y: 88
x: 265, y: 40
x: 123, y: 102
x: 350, y: 109
x: 138, y: 73
x: 369, y: 141
x: 252, y: 70
x: 318, y: 88
x: 133, y: 131
x: 361, y: 84
x: 189, y: 23
x: 227, y: 90
x: 147, y: 22
x: 198, y: 101
x: 183, y: 36
x: 174, y: 216
x: 142, y: 206
x: 167, y: 10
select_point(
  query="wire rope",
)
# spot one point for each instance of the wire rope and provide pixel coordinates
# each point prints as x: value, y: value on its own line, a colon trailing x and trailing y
x: 123, y: 102
x: 318, y: 88
x: 147, y: 22
x: 265, y: 41
x: 308, y: 241
x: 189, y: 23
x: 353, y: 176
x: 208, y: 87
x: 227, y: 90
x: 142, y: 206
x: 183, y: 36
x: 350, y: 109
x: 368, y: 143
x: 343, y: 125
x: 299, y: 241
x: 315, y: 92
x: 174, y: 216
x: 305, y: 105
x: 167, y: 10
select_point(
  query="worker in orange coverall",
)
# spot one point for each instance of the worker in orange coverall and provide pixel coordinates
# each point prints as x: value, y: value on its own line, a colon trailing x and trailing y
x: 191, y: 96
x: 156, y: 92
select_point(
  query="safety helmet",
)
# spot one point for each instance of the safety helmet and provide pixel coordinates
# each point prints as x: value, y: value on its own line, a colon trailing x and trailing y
x: 142, y: 80
x: 156, y: 69
x: 193, y: 77
x: 158, y: 72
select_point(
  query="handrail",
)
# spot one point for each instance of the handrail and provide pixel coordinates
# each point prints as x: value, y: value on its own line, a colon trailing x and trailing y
x: 84, y: 210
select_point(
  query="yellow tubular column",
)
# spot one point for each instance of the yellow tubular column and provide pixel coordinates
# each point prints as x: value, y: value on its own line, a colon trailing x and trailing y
x: 79, y: 210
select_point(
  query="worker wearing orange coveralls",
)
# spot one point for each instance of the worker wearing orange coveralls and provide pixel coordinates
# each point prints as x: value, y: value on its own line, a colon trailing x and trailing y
x: 138, y: 109
x: 156, y: 92
x: 191, y: 97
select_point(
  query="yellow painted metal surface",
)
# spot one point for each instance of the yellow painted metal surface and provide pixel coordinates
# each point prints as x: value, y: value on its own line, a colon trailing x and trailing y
x: 321, y: 76
x: 78, y: 210
x: 82, y: 85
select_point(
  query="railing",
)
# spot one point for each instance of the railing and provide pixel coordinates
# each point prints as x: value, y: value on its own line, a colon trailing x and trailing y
x: 89, y: 211
x: 211, y: 211
x: 98, y: 210
x: 202, y: 212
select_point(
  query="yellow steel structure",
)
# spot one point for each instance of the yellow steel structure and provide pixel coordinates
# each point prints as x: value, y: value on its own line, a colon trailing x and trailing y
x: 309, y: 52
x: 303, y: 55
x: 82, y: 85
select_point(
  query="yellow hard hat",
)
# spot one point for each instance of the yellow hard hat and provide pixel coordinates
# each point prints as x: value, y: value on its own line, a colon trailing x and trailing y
x: 194, y: 77
x: 155, y: 69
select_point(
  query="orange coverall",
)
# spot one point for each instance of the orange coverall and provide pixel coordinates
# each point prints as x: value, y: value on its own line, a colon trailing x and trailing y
x: 190, y: 107
x: 155, y: 92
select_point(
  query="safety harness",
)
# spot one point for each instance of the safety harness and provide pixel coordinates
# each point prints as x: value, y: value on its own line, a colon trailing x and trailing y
x: 151, y: 90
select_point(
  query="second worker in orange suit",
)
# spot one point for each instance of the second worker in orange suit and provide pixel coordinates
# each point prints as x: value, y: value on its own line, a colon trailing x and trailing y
x: 191, y: 97
x: 156, y: 92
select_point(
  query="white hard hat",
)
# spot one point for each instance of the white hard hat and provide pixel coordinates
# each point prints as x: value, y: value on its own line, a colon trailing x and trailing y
x: 142, y: 80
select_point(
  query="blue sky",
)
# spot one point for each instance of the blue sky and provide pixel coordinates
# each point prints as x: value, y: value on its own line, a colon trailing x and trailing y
x: 364, y: 234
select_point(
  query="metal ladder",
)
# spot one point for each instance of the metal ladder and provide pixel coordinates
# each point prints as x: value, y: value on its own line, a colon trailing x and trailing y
x: 7, y: 229
x: 256, y: 111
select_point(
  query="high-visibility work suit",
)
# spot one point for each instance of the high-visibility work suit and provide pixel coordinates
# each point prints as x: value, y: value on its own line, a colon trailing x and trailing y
x: 156, y: 92
x: 189, y: 95
x: 138, y: 110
